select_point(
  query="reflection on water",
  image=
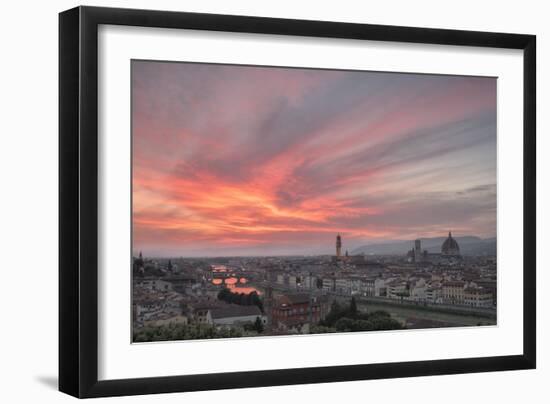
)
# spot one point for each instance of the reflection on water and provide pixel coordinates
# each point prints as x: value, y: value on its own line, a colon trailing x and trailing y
x: 236, y: 285
x: 244, y: 289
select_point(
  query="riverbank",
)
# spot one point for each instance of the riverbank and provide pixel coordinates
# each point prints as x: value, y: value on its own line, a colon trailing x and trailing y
x: 427, y: 317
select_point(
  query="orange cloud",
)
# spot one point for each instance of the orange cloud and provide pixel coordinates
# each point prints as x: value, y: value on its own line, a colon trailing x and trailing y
x: 252, y: 158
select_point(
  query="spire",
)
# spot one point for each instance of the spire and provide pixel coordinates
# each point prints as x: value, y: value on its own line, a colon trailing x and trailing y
x: 140, y: 256
x: 450, y: 234
x: 338, y: 245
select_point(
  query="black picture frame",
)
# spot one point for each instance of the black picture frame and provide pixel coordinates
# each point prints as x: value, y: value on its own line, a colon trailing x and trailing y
x: 78, y: 200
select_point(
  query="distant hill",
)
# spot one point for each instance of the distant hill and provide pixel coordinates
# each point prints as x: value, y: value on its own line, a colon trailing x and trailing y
x: 469, y: 245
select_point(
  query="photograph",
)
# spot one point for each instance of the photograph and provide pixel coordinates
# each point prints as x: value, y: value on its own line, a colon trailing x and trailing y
x: 271, y: 202
x: 274, y: 201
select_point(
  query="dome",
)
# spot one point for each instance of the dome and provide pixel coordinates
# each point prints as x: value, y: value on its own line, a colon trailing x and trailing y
x: 450, y: 246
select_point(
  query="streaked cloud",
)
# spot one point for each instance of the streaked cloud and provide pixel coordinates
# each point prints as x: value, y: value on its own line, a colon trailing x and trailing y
x: 243, y: 160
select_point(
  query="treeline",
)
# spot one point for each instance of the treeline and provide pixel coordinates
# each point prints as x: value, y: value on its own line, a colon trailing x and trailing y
x: 347, y: 317
x: 184, y: 331
x: 256, y: 326
x: 243, y: 299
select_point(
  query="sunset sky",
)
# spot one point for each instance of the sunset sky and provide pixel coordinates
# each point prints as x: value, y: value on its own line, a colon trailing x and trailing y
x: 235, y: 160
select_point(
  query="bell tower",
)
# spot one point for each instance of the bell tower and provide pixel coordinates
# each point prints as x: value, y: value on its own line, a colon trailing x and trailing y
x: 338, y: 246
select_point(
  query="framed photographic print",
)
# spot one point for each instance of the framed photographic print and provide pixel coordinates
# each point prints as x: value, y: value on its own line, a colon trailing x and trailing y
x: 324, y: 201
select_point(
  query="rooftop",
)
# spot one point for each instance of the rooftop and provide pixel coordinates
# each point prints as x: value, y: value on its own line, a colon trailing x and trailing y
x: 234, y: 310
x: 295, y: 298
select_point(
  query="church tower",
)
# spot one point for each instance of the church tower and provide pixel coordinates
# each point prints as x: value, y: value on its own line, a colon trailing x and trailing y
x: 417, y: 251
x: 338, y: 246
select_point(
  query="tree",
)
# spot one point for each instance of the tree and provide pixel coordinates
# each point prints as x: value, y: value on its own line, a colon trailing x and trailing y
x: 184, y: 331
x: 224, y: 295
x: 333, y: 315
x: 321, y: 329
x: 349, y: 318
x: 344, y: 324
x: 243, y: 299
x: 259, y: 325
x: 353, y: 307
x: 256, y: 301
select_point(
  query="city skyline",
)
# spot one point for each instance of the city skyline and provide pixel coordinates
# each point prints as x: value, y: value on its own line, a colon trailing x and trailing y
x: 329, y: 249
x: 245, y: 161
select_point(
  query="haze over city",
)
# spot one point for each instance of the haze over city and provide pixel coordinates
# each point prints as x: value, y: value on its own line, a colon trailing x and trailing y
x: 236, y: 161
